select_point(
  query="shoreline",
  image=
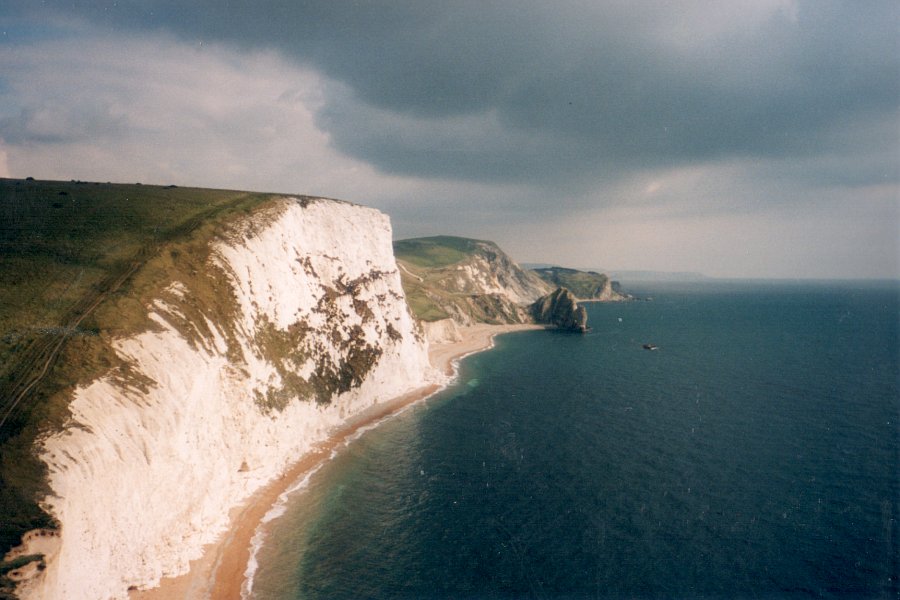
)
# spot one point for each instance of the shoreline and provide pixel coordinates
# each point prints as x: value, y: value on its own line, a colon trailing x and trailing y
x: 221, y: 572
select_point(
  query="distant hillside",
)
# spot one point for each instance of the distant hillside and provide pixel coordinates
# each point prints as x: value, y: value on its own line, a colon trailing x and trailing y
x: 586, y: 285
x: 470, y: 281
x: 439, y: 250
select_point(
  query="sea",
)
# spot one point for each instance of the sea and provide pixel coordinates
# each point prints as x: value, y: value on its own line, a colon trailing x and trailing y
x: 752, y: 454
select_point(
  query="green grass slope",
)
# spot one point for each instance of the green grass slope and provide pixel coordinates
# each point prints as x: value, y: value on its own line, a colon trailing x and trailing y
x: 586, y: 285
x: 78, y: 261
x: 438, y: 276
x: 436, y: 251
x: 419, y: 259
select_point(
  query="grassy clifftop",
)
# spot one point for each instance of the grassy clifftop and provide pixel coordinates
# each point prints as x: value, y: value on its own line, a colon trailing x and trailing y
x: 586, y: 285
x: 77, y: 262
x: 62, y: 242
x: 464, y: 279
x: 437, y: 251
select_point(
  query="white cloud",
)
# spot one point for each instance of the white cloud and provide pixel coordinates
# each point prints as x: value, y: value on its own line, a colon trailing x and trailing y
x: 696, y: 24
x: 724, y: 220
x: 4, y: 163
x: 157, y: 110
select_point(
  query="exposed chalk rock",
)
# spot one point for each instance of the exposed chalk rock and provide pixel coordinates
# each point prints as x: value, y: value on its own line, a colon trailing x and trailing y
x: 144, y: 478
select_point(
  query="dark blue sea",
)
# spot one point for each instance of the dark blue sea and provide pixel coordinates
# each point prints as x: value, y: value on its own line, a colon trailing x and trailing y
x: 753, y: 455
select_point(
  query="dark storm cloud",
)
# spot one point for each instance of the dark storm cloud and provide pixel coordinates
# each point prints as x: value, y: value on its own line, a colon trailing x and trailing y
x: 554, y: 91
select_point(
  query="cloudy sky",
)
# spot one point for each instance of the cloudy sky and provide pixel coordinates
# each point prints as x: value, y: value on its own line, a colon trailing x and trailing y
x: 740, y: 138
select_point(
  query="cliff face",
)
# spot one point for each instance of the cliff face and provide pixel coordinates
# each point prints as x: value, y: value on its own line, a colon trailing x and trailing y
x: 468, y: 281
x: 317, y: 329
x: 585, y: 285
x: 560, y: 309
x: 489, y: 271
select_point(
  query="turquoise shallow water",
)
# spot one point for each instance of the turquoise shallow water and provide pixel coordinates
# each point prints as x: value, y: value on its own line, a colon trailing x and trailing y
x: 755, y: 454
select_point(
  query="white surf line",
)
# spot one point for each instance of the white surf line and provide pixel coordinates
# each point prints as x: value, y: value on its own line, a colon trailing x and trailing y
x: 279, y: 508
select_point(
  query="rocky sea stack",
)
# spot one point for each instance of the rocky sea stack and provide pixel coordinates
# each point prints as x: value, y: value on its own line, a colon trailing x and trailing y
x: 560, y: 308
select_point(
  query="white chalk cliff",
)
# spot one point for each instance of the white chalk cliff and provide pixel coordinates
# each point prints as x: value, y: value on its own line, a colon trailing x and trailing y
x: 146, y: 474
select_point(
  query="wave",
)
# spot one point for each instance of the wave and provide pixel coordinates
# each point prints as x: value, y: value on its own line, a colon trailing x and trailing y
x: 279, y: 508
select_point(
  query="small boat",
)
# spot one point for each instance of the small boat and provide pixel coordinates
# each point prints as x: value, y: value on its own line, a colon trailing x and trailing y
x: 650, y: 347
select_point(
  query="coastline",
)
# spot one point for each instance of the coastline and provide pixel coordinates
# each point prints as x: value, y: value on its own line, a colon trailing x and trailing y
x: 220, y: 573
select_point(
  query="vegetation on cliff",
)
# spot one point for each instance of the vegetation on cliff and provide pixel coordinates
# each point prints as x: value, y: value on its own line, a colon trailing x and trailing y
x: 586, y: 285
x: 80, y: 265
x: 74, y: 272
x: 470, y: 281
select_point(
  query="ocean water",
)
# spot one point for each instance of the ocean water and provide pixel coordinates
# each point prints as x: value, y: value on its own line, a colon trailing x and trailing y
x: 753, y: 455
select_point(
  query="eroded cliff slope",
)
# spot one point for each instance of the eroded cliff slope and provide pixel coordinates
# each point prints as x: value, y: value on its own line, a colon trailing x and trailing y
x: 262, y: 336
x: 465, y: 280
x: 585, y: 285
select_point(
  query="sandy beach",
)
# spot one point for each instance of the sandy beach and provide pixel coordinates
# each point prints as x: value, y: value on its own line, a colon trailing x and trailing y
x: 219, y: 573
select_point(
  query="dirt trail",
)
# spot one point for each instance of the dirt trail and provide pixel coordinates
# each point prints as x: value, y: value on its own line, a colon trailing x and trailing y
x: 42, y: 352
x: 39, y: 357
